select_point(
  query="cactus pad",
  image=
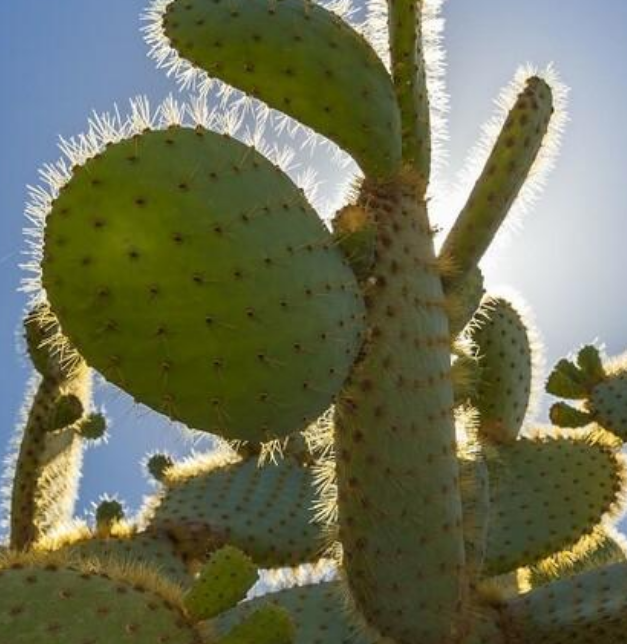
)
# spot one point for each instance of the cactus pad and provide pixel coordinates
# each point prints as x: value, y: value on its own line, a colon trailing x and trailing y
x: 505, y: 361
x: 222, y: 583
x: 504, y: 174
x: 264, y: 511
x: 601, y: 387
x: 590, y: 608
x: 546, y: 494
x: 284, y: 53
x: 54, y: 605
x: 192, y: 273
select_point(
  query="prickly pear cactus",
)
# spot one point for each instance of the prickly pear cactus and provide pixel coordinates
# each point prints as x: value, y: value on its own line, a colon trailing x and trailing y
x: 372, y: 400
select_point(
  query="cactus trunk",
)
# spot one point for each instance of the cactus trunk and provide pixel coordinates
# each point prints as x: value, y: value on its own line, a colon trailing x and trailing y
x: 398, y: 481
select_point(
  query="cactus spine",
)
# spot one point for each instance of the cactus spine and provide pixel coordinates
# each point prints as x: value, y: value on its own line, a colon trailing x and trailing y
x: 191, y: 270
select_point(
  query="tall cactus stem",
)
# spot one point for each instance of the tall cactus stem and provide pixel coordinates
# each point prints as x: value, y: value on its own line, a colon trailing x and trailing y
x: 400, y: 518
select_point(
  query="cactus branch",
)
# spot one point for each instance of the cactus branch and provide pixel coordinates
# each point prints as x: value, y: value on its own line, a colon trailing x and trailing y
x: 410, y: 83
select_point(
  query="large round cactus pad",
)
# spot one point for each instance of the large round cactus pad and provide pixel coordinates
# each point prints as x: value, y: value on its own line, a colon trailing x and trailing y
x: 50, y: 605
x: 193, y: 273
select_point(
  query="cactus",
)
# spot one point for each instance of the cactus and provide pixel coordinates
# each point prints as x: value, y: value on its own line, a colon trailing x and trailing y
x: 504, y: 360
x: 47, y: 465
x: 602, y: 388
x: 266, y: 512
x: 373, y: 403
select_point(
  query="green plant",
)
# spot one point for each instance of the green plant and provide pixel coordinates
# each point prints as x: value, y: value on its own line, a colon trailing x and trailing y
x: 371, y: 399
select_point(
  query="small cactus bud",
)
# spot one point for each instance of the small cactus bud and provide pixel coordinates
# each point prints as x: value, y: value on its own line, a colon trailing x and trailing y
x: 222, y: 583
x: 158, y: 464
x: 67, y: 410
x: 108, y: 513
x: 92, y: 427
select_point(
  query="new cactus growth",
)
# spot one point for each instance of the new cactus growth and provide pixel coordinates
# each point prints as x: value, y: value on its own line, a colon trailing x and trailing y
x: 372, y: 402
x: 602, y: 388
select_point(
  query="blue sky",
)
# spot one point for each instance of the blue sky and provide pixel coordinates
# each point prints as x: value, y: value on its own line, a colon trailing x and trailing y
x: 60, y: 60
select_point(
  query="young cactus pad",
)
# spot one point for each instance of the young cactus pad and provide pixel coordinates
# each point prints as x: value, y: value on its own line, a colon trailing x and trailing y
x: 601, y: 387
x: 504, y: 356
x: 250, y: 331
x: 222, y: 583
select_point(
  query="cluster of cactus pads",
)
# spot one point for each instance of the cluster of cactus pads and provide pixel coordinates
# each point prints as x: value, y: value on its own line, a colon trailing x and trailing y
x: 373, y: 401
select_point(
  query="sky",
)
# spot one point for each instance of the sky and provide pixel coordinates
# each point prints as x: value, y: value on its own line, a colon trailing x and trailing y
x: 61, y: 60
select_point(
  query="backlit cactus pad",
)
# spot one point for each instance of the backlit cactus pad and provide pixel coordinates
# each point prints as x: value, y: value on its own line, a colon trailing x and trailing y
x: 188, y: 256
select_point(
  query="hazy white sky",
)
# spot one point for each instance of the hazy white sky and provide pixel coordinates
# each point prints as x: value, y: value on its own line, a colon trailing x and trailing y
x: 61, y: 60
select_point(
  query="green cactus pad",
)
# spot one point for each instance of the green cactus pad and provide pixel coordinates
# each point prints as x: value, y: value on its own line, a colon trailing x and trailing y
x: 602, y: 388
x: 223, y: 582
x: 284, y: 53
x: 152, y: 549
x: 505, y: 360
x: 318, y: 611
x: 265, y: 511
x: 505, y: 172
x: 192, y: 273
x: 590, y: 608
x: 546, y: 494
x: 52, y: 605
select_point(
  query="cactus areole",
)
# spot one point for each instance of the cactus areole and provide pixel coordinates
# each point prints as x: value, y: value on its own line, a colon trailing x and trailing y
x: 374, y: 401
